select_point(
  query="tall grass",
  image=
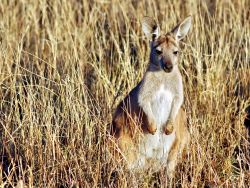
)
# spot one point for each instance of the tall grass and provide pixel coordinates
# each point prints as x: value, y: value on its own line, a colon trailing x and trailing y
x: 65, y: 65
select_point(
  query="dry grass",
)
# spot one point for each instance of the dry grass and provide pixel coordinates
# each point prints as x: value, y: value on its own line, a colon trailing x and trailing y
x: 64, y: 66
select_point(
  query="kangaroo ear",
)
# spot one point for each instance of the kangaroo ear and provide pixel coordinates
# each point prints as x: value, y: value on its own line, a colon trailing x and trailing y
x: 150, y: 28
x: 181, y: 30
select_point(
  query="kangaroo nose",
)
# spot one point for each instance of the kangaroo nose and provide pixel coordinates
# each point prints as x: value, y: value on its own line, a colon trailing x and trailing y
x: 168, y: 67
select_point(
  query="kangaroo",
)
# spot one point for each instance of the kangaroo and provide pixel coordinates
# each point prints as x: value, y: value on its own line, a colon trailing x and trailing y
x: 149, y: 124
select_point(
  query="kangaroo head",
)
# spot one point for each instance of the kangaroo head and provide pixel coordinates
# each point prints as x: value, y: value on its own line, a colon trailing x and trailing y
x: 165, y: 47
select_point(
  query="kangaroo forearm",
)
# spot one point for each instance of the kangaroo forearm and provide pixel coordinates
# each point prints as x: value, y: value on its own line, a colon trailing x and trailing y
x: 148, y: 111
x: 175, y: 108
x: 150, y: 122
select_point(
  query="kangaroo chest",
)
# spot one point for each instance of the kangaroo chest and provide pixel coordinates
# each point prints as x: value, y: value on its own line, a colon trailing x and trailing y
x: 161, y: 105
x: 156, y: 147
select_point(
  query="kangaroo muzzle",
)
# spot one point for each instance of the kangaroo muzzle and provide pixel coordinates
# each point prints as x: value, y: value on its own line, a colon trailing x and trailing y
x: 167, y: 67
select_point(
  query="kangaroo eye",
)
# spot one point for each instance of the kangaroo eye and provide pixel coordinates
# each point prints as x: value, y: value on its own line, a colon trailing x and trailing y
x: 175, y: 52
x: 159, y: 52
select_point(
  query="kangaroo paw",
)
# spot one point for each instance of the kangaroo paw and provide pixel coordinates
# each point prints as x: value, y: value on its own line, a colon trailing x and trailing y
x: 169, y: 128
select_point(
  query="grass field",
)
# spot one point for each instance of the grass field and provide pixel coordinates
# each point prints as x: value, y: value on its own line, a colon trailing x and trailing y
x: 65, y: 65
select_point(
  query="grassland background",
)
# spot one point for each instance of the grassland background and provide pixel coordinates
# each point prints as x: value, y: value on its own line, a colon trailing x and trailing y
x: 64, y: 66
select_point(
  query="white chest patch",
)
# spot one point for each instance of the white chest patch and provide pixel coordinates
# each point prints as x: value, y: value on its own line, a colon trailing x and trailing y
x: 161, y: 105
x: 156, y: 147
